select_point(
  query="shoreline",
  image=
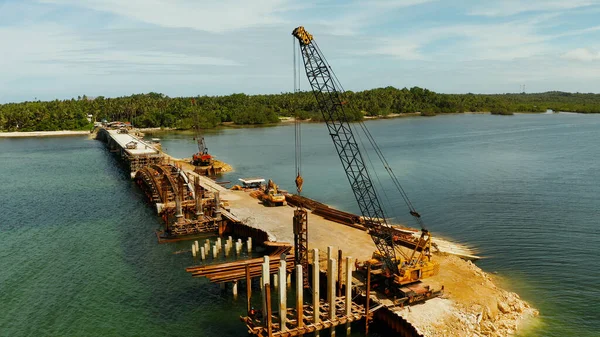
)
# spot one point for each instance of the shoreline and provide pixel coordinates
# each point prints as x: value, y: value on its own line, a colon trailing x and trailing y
x: 228, y: 125
x: 61, y: 133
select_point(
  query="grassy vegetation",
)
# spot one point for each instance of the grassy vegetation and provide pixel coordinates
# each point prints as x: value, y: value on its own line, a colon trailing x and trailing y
x: 158, y: 110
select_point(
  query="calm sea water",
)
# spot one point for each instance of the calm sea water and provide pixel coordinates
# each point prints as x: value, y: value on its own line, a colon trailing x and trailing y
x: 78, y: 256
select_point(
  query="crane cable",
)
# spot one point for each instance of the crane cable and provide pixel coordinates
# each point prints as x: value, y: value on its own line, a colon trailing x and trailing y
x: 387, y: 199
x: 297, y: 125
x: 385, y: 163
x: 392, y: 175
x: 337, y: 83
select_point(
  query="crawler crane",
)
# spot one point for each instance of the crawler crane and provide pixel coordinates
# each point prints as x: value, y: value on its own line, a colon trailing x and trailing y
x: 202, y: 157
x: 396, y: 271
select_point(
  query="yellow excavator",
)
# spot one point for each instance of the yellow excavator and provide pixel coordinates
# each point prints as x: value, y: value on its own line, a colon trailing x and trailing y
x: 272, y: 196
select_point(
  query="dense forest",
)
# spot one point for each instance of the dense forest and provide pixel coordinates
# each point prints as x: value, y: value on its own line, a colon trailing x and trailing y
x: 158, y: 110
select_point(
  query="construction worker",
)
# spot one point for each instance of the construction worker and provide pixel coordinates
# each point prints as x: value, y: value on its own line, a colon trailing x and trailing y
x: 255, y: 314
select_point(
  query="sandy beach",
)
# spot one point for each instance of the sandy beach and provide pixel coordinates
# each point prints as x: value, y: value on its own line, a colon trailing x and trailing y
x: 42, y: 134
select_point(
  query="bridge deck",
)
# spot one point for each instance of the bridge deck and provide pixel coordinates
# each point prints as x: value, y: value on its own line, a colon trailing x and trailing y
x: 123, y: 139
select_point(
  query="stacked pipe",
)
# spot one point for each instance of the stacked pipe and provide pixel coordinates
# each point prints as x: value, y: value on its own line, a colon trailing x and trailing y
x: 298, y: 200
x: 409, y: 242
x: 256, y: 194
x: 232, y: 271
x: 345, y: 218
x: 278, y: 248
x: 236, y: 276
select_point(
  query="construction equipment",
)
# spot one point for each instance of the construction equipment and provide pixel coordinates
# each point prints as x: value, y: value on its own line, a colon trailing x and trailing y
x: 131, y: 145
x: 271, y: 196
x: 202, y: 157
x: 255, y: 182
x: 392, y: 266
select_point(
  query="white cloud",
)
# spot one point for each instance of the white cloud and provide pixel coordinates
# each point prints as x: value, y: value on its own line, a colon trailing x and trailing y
x: 52, y: 50
x: 579, y: 31
x: 207, y: 15
x: 405, y: 50
x: 538, y: 74
x: 352, y: 18
x: 142, y: 59
x: 512, y: 7
x: 397, y: 3
x: 484, y: 41
x: 581, y: 54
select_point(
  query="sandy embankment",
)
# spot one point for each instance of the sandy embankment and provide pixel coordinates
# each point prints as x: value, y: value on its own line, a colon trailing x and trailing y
x: 42, y: 134
x: 185, y: 163
x: 472, y: 304
x: 287, y: 120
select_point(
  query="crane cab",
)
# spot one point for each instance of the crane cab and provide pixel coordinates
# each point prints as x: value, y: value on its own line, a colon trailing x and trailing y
x: 202, y: 159
x: 405, y: 287
x: 410, y: 274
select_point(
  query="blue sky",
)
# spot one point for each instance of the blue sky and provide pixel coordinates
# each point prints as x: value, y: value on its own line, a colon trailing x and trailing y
x: 65, y: 48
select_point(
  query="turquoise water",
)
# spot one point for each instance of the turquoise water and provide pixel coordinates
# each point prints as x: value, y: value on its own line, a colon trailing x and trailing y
x: 78, y: 255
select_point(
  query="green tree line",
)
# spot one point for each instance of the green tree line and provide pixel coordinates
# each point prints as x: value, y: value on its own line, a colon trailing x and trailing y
x: 158, y: 110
